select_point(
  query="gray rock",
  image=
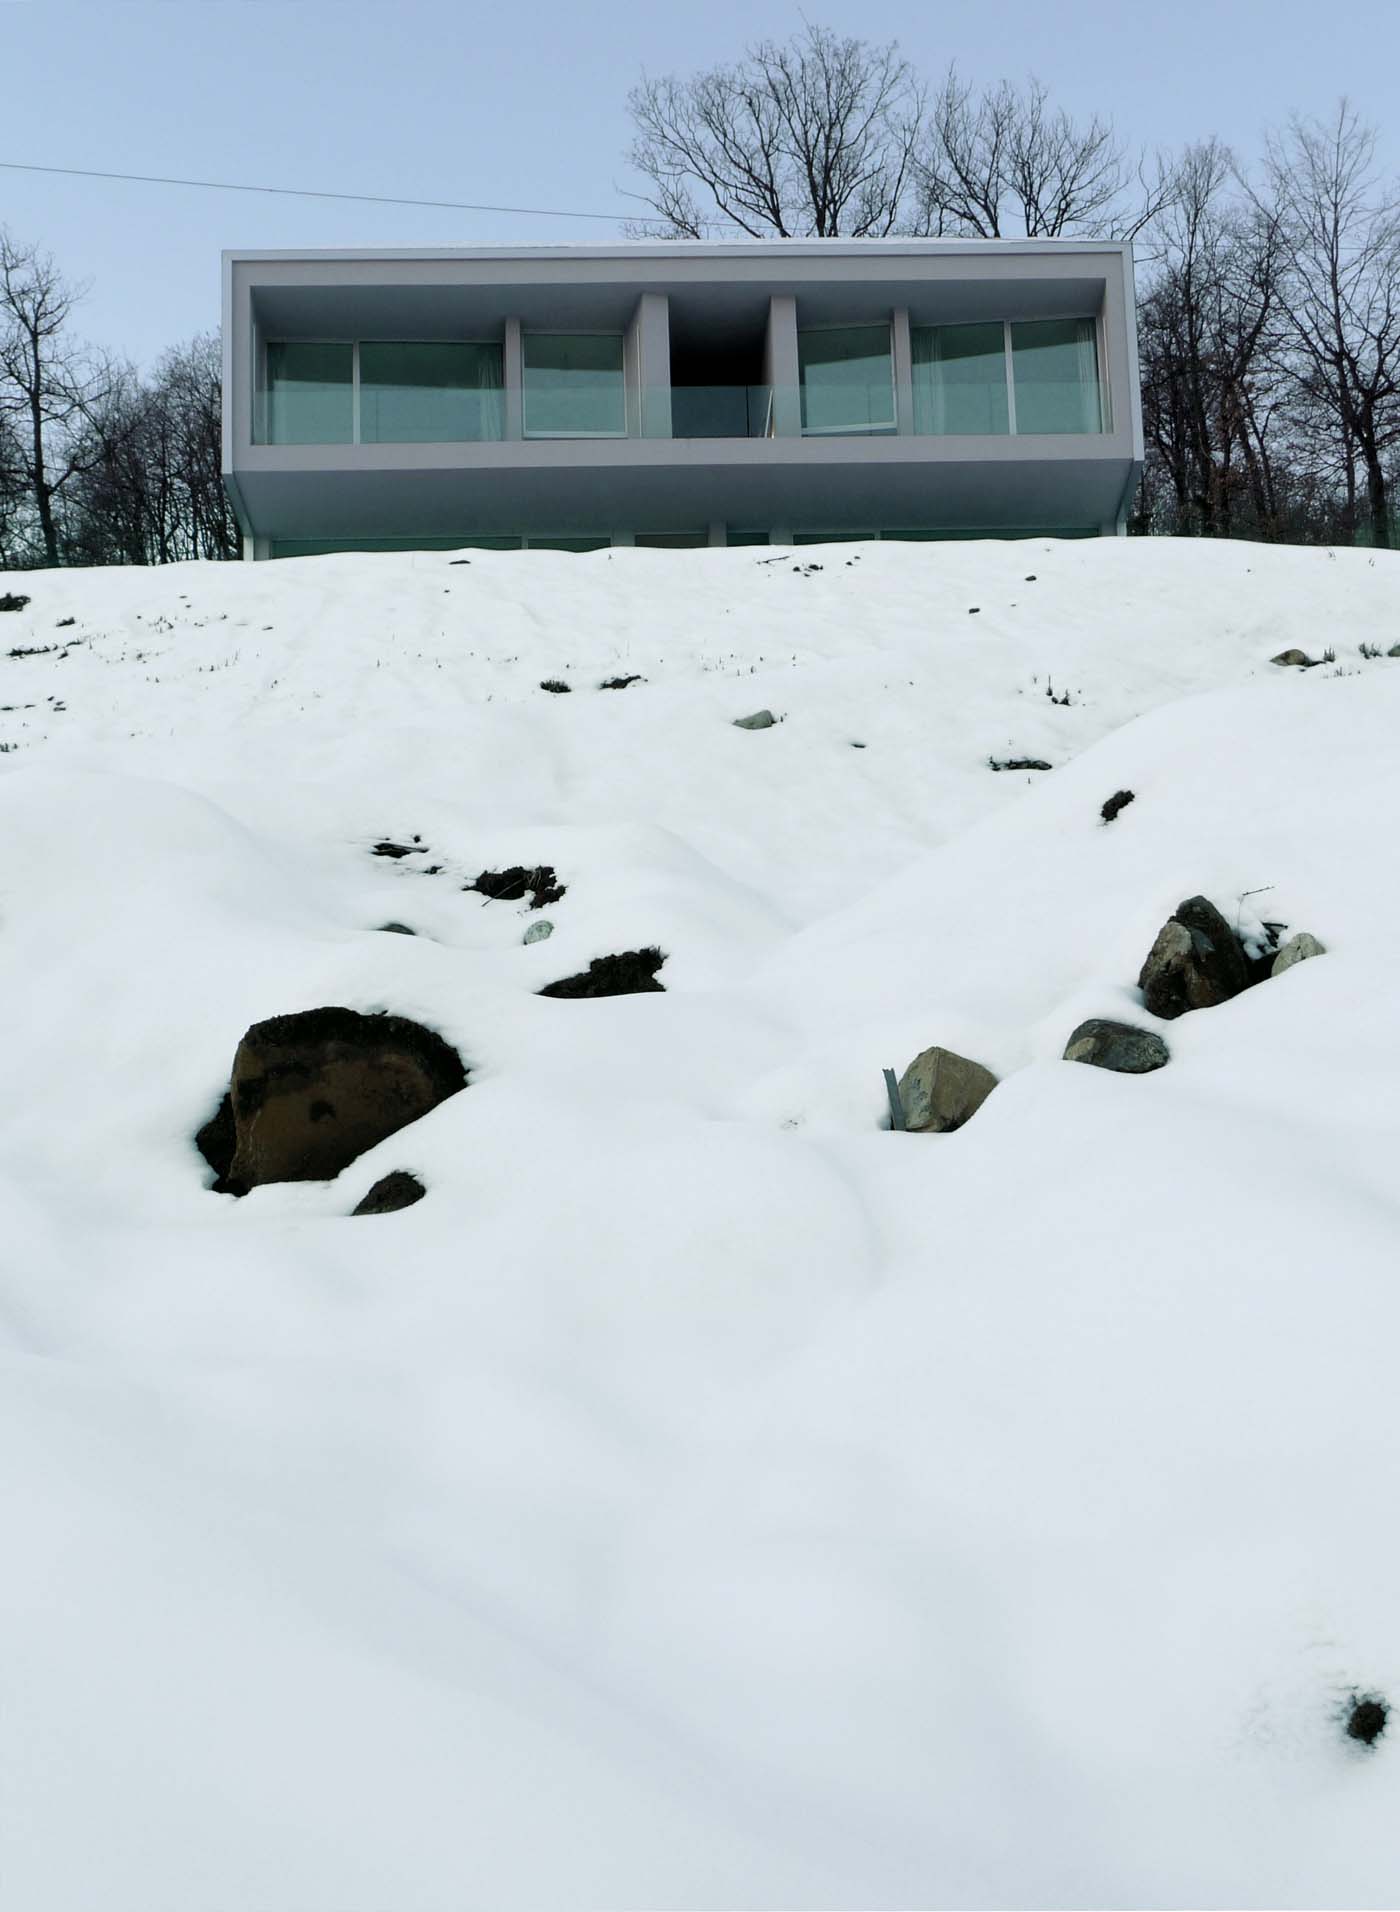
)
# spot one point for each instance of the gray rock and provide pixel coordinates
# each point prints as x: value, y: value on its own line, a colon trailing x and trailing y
x: 760, y: 720
x: 537, y: 932
x: 1196, y: 962
x: 1298, y: 949
x: 1117, y: 1046
x: 940, y: 1090
x: 397, y: 929
x: 1294, y: 656
x: 1394, y: 651
x: 391, y: 1192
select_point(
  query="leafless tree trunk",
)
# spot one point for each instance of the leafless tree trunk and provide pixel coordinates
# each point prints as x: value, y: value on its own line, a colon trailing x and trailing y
x: 49, y: 387
x: 1002, y: 163
x: 1341, y: 235
x: 813, y: 138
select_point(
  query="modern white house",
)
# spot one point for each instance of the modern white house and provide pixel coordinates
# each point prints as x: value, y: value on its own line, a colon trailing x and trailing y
x: 679, y: 394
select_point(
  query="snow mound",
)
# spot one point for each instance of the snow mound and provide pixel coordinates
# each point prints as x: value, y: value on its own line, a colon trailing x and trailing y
x: 703, y: 1496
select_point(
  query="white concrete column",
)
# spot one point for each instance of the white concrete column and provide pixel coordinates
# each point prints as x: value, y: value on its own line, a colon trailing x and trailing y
x: 646, y: 362
x: 513, y: 372
x: 780, y: 365
x: 902, y: 352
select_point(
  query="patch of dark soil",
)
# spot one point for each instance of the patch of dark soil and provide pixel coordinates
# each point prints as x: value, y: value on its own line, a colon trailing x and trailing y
x: 12, y: 601
x: 390, y: 1193
x: 556, y: 684
x: 621, y: 683
x: 218, y: 1138
x: 389, y: 848
x: 511, y: 886
x: 34, y: 650
x: 64, y: 622
x: 1018, y: 763
x: 633, y: 973
x: 1367, y: 1718
x: 1118, y: 801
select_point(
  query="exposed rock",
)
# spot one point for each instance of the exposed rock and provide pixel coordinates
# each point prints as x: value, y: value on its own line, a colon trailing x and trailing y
x: 1118, y: 801
x: 397, y: 929
x: 1118, y: 1046
x: 1018, y: 763
x: 621, y: 683
x: 218, y: 1138
x: 940, y: 1090
x: 396, y: 850
x: 313, y: 1090
x: 1298, y: 949
x: 557, y: 685
x: 1294, y: 656
x: 1366, y: 1720
x: 391, y: 1192
x: 759, y: 720
x: 538, y: 932
x: 632, y: 973
x: 12, y: 601
x: 512, y: 885
x: 1394, y: 651
x: 1196, y: 962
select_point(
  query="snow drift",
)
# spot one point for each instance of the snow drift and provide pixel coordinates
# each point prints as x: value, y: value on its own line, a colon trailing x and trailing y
x: 703, y: 1496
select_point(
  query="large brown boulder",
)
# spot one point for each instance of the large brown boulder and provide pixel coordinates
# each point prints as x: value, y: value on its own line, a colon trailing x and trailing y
x: 1196, y: 962
x: 312, y: 1091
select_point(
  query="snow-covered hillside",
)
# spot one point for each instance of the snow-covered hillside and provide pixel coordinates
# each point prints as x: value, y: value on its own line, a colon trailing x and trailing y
x: 705, y: 1496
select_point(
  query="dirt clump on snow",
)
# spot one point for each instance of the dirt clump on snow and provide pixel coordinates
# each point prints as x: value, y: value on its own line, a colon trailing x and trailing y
x: 632, y: 973
x: 540, y: 884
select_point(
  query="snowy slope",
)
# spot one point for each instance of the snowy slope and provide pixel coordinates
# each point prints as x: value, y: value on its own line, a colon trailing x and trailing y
x: 704, y: 1497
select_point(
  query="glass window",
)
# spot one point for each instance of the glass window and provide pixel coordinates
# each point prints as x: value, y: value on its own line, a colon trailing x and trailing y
x: 1056, y: 367
x: 959, y: 378
x: 847, y: 382
x: 429, y: 392
x: 310, y: 395
x: 672, y: 540
x: 573, y: 385
x: 746, y: 537
x: 568, y: 544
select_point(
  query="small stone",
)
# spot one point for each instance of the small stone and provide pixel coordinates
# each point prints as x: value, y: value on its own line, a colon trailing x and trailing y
x: 537, y: 932
x: 391, y: 1192
x: 1298, y: 949
x: 1367, y: 1719
x: 760, y: 720
x: 1117, y: 1046
x: 941, y: 1090
x: 396, y: 929
x: 1394, y: 651
x: 1118, y: 801
x: 1294, y: 656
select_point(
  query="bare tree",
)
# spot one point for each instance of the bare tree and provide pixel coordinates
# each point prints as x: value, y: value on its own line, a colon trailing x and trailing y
x: 49, y: 386
x: 810, y: 139
x: 1002, y: 163
x: 1340, y: 230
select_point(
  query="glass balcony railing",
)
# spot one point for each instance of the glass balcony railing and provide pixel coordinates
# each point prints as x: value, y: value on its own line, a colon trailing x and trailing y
x: 720, y: 411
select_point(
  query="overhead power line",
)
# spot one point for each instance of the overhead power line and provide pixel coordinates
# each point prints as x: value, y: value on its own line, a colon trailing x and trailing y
x: 297, y: 192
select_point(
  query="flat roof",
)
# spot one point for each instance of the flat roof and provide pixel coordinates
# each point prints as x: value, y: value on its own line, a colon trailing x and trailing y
x: 673, y: 248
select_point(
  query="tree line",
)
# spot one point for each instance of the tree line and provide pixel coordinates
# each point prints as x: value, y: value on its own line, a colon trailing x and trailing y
x: 1268, y: 296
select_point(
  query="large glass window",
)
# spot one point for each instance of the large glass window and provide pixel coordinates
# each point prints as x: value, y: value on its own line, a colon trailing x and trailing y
x: 959, y: 378
x: 429, y: 392
x: 573, y: 385
x: 847, y: 382
x: 310, y: 394
x: 1056, y: 367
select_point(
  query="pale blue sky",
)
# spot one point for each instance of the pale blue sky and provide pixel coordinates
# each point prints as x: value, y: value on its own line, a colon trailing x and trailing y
x: 526, y: 105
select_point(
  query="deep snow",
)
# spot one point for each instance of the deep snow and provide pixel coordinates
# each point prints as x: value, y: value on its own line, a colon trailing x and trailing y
x: 703, y: 1497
